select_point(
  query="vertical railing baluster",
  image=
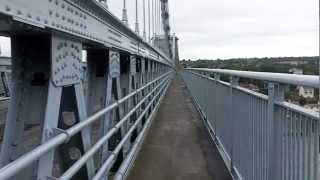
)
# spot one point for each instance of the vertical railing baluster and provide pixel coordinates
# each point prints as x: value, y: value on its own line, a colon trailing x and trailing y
x: 304, y: 146
x: 283, y: 138
x: 317, y: 150
x: 309, y: 147
x: 217, y: 79
x: 284, y: 142
x: 260, y: 126
x: 294, y: 147
x: 233, y: 84
x: 299, y: 132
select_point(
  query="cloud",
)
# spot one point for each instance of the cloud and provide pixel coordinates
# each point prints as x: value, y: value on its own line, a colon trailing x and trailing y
x: 246, y: 28
x: 234, y: 28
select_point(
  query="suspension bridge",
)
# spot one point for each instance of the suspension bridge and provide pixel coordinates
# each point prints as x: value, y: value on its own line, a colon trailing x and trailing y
x: 94, y: 95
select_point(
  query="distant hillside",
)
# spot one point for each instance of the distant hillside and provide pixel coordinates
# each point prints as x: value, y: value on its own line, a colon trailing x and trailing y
x: 309, y: 65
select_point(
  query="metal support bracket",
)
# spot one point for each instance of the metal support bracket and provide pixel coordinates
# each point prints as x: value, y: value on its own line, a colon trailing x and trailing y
x: 133, y: 64
x: 55, y: 132
x: 58, y: 131
x: 234, y: 81
x: 66, y: 66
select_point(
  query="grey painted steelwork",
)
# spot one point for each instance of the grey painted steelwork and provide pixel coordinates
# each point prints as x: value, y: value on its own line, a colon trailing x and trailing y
x: 87, y: 20
x: 124, y: 170
x: 41, y: 151
x: 76, y: 166
x: 70, y: 119
x: 304, y: 80
x: 260, y: 137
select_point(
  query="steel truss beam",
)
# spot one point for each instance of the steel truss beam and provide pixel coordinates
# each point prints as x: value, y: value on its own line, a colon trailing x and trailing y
x: 52, y: 93
x: 86, y: 20
x: 48, y: 98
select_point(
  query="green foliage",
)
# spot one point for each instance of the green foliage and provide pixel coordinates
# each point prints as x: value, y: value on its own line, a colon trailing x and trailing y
x: 309, y: 65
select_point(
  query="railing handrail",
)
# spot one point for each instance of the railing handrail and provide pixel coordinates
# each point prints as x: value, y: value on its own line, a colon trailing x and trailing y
x: 22, y: 162
x: 293, y: 79
x: 87, y: 155
x: 258, y: 136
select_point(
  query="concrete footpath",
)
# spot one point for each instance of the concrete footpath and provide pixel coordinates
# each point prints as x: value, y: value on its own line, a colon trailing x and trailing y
x: 178, y: 146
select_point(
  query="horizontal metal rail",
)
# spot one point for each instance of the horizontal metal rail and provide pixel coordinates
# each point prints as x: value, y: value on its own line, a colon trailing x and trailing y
x: 294, y: 79
x: 16, y: 166
x: 129, y: 161
x: 107, y: 164
x: 259, y: 137
x: 4, y: 99
x: 82, y: 161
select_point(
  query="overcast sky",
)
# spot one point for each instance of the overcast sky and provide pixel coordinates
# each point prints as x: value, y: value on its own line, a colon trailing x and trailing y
x: 214, y: 29
x: 246, y: 28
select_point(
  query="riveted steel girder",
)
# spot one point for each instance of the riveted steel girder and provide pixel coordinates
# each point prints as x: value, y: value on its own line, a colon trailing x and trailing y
x: 86, y: 20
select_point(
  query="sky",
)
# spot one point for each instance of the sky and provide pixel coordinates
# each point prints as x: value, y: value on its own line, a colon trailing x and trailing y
x: 212, y: 29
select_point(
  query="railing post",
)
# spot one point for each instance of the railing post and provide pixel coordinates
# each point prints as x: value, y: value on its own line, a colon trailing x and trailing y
x: 276, y: 92
x: 132, y: 101
x: 96, y: 77
x: 217, y: 79
x: 142, y: 94
x: 47, y: 97
x: 234, y: 82
x: 114, y: 93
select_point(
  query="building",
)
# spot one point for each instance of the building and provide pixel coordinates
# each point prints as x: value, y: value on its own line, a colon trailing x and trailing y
x: 296, y: 71
x: 312, y: 107
x: 292, y: 62
x: 250, y: 86
x: 306, y: 92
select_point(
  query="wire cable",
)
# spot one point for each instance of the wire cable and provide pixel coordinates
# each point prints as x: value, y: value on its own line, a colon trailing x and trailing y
x: 144, y: 20
x: 149, y: 20
x: 137, y: 19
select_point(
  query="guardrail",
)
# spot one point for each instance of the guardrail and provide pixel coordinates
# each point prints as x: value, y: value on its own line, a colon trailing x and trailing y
x: 260, y: 137
x: 156, y: 89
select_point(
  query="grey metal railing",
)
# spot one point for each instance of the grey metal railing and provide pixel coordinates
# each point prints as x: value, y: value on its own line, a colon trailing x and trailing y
x: 156, y: 90
x: 260, y: 137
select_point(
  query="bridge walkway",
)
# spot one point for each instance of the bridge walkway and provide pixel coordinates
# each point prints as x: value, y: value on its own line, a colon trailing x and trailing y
x: 178, y: 146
